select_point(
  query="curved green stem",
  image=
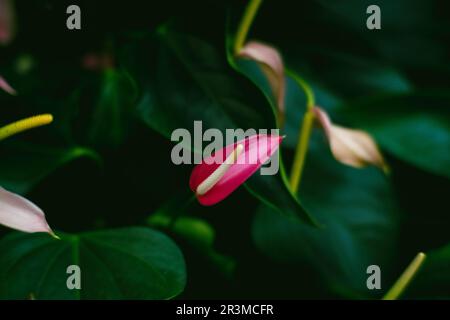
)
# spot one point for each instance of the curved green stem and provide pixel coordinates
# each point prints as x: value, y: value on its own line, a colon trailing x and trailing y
x: 301, y: 151
x: 405, y: 279
x: 305, y: 133
x: 310, y: 99
x: 246, y: 22
x: 308, y: 120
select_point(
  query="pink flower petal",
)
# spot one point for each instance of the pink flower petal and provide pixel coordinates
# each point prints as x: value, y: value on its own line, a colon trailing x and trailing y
x: 257, y: 150
x: 7, y: 22
x: 6, y: 87
x: 19, y: 213
x: 355, y: 148
x: 272, y: 66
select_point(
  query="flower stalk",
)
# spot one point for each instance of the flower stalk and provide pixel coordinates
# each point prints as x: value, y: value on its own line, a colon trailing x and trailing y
x: 405, y: 279
x: 301, y: 151
x: 305, y: 133
x: 245, y: 24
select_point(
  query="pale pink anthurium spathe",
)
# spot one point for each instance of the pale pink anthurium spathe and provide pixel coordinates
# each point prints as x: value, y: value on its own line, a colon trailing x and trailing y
x: 352, y: 147
x: 5, y: 86
x: 271, y: 64
x: 17, y: 212
x: 223, y: 172
x: 21, y: 214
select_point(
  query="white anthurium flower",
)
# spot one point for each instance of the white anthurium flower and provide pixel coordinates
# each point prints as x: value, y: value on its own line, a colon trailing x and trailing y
x: 21, y: 214
x: 16, y: 212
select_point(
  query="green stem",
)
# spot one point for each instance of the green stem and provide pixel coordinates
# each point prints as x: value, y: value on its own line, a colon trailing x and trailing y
x: 405, y: 279
x: 305, y: 132
x: 246, y: 22
x: 310, y: 100
x: 301, y: 150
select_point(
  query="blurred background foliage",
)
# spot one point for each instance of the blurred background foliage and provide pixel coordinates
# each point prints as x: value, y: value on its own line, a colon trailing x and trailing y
x: 103, y: 167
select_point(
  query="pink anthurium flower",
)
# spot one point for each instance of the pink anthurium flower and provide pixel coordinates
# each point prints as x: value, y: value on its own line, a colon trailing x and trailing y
x: 4, y: 85
x: 352, y: 147
x: 223, y: 172
x: 7, y: 21
x: 21, y: 214
x: 271, y: 64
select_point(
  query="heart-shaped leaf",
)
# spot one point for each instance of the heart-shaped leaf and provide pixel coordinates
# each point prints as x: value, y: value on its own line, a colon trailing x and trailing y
x: 129, y: 263
x: 359, y: 214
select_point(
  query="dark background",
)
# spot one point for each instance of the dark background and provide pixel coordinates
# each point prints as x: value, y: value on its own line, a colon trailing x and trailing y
x: 306, y: 32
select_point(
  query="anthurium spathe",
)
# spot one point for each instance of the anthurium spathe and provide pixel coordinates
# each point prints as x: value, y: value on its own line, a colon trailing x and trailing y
x: 15, y: 211
x: 4, y: 85
x: 352, y: 147
x: 271, y: 64
x: 21, y: 214
x: 223, y: 172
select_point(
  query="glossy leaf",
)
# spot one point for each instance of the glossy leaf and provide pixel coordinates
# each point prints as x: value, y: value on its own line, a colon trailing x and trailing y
x: 23, y: 165
x: 359, y: 213
x: 115, y: 104
x: 394, y: 41
x: 129, y: 263
x: 351, y: 76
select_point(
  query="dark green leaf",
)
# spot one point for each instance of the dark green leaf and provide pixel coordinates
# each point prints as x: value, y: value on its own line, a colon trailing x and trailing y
x: 360, y: 216
x: 23, y: 165
x: 130, y: 263
x: 111, y: 114
x: 406, y: 27
x: 353, y: 76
